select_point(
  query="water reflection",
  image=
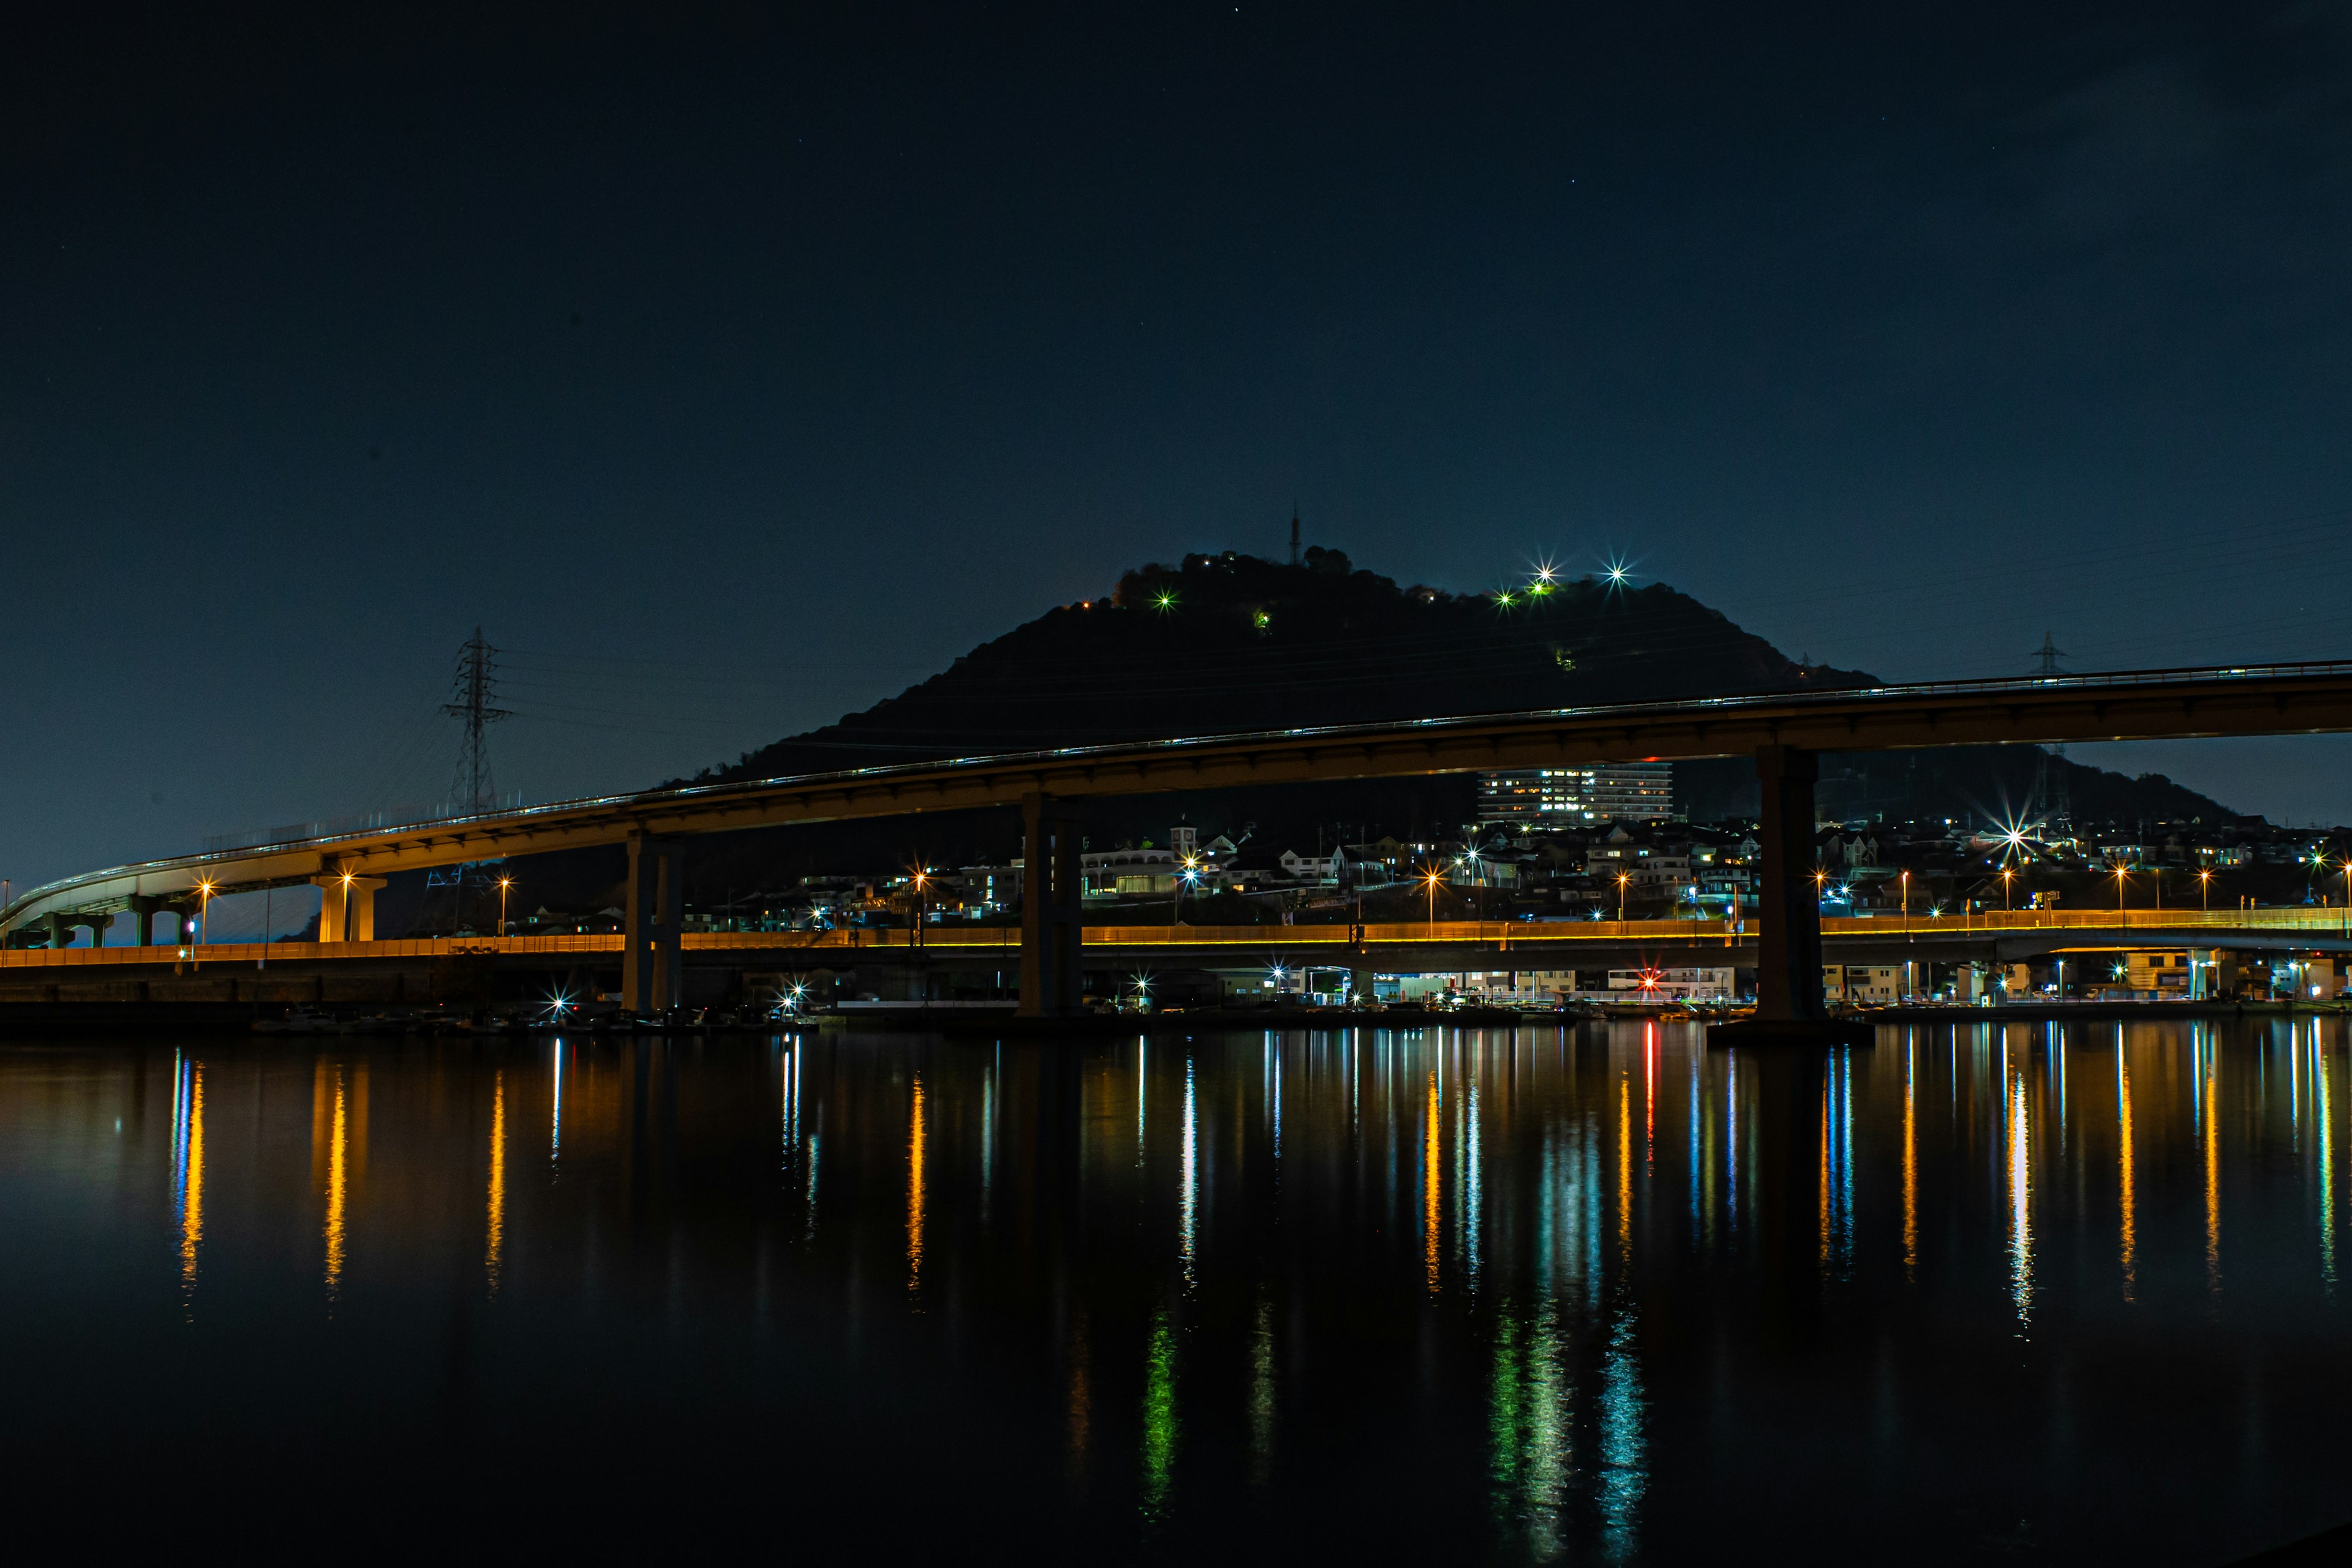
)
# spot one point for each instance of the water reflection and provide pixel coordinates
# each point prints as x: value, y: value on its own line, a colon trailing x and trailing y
x: 2322, y: 1100
x: 2020, y: 1199
x: 2127, y: 1234
x: 1261, y: 1394
x: 338, y: 1176
x: 915, y: 1194
x: 1624, y: 1440
x: 1529, y: 1406
x: 1429, y: 1183
x: 2209, y: 1115
x: 555, y: 1113
x: 1160, y: 1419
x: 1589, y: 1294
x: 495, y: 1247
x: 188, y: 1166
x: 1910, y: 1158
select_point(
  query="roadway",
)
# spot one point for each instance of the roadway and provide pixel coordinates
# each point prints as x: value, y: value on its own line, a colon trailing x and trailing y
x: 1404, y: 947
x: 2264, y: 700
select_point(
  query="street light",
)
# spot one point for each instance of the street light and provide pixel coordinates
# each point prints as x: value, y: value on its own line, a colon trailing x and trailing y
x: 2205, y: 890
x: 1430, y: 878
x: 1622, y: 879
x: 2005, y: 875
x: 2121, y: 873
x: 204, y: 908
x: 504, y: 884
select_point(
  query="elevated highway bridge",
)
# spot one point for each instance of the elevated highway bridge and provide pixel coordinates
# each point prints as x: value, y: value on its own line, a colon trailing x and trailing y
x: 1783, y: 732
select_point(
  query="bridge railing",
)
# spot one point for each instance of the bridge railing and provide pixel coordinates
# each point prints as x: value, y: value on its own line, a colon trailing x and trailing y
x: 2216, y: 926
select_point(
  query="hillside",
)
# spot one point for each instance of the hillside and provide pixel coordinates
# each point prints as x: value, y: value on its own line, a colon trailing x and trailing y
x: 1233, y: 642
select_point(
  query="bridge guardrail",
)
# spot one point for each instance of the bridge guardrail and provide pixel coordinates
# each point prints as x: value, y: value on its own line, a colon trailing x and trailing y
x: 1504, y: 936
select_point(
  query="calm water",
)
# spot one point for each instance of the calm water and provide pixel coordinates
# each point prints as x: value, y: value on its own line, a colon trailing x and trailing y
x: 1575, y: 1295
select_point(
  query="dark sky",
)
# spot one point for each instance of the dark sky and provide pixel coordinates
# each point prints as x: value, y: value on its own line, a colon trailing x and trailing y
x: 735, y: 369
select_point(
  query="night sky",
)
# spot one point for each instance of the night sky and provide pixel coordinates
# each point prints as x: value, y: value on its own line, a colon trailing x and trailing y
x: 735, y: 369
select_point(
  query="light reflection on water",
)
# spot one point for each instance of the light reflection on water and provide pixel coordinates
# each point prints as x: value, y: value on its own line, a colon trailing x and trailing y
x: 1577, y: 1294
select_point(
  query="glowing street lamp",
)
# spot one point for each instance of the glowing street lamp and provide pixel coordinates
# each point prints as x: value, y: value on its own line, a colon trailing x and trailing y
x: 1623, y: 880
x: 1430, y: 878
x: 2005, y: 875
x: 204, y: 908
x: 506, y: 884
x: 2205, y: 890
x: 1190, y: 876
x: 2122, y: 872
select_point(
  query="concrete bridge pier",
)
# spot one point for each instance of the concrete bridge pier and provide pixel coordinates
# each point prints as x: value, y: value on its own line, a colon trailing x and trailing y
x: 1053, y: 887
x: 653, y: 955
x: 1788, y: 1003
x: 142, y: 919
x: 347, y: 907
x: 63, y: 926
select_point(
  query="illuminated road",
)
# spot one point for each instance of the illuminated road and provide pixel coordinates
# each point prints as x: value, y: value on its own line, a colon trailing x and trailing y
x: 1441, y: 946
x: 2299, y: 698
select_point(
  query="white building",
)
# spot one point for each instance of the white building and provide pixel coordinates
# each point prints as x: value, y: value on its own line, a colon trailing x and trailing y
x: 1577, y: 797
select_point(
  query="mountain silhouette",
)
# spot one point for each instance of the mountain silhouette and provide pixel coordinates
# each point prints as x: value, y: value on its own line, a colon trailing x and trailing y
x: 1231, y: 642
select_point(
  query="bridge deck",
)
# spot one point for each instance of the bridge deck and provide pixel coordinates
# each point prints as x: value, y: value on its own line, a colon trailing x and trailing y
x: 2265, y: 699
x: 1536, y: 942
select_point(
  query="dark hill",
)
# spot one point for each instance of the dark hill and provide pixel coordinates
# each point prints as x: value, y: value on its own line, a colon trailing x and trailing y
x: 1233, y: 642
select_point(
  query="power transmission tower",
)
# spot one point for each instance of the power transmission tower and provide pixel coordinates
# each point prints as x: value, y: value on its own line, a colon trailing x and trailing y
x: 474, y: 701
x: 2050, y: 803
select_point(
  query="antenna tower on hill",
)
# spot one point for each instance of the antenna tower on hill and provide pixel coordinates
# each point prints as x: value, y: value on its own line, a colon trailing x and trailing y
x: 475, y: 700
